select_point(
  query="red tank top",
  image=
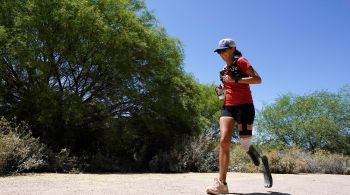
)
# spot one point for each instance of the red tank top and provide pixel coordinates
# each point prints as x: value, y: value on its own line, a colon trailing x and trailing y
x: 238, y: 93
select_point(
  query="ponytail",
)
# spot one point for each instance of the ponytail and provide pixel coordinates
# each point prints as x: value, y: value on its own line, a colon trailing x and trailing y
x: 237, y: 53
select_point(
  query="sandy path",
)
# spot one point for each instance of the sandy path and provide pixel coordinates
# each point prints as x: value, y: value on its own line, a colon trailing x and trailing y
x: 167, y: 184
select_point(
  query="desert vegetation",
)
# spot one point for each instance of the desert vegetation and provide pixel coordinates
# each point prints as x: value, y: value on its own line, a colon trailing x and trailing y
x: 99, y: 86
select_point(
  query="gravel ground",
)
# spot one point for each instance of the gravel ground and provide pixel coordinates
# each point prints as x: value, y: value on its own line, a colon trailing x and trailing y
x: 167, y: 184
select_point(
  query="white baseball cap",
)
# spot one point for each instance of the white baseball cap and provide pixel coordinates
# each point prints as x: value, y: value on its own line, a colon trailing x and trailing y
x: 225, y: 43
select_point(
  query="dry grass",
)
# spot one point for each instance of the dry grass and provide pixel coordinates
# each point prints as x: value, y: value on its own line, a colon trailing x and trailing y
x: 19, y: 150
x: 295, y: 160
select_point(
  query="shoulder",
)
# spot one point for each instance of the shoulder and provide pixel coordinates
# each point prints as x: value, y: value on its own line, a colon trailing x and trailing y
x: 241, y: 61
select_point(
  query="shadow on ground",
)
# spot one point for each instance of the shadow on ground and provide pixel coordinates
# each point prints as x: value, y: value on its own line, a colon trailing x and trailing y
x: 258, y: 193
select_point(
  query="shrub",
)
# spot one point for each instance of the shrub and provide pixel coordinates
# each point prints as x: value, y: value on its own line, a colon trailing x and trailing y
x: 201, y: 154
x: 286, y: 161
x: 240, y: 161
x: 19, y: 150
x: 198, y: 154
x: 296, y: 160
x: 62, y: 161
x: 325, y: 162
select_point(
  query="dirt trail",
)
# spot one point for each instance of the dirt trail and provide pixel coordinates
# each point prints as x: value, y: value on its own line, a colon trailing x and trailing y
x: 167, y: 184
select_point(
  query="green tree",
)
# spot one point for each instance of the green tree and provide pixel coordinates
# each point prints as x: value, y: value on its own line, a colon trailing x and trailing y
x: 318, y: 120
x: 209, y: 105
x: 95, y: 76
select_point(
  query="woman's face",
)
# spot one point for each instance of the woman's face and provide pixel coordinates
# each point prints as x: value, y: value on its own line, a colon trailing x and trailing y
x: 226, y: 54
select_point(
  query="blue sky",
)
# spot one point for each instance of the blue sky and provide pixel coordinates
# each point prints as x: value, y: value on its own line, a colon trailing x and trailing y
x: 296, y: 46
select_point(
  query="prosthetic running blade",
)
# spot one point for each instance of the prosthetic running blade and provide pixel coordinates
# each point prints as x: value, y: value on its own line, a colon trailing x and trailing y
x: 267, y: 172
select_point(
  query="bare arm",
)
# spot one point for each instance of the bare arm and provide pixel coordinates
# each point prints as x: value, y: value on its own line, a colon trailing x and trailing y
x: 253, y: 77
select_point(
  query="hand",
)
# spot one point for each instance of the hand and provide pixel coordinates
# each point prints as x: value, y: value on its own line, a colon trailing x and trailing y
x: 227, y: 78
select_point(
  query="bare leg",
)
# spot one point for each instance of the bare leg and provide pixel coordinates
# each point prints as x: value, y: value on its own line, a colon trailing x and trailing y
x: 226, y: 129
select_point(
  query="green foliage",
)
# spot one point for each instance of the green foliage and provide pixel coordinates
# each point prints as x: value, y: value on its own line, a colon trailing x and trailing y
x: 102, y: 80
x: 316, y: 121
x: 209, y: 106
x: 97, y: 77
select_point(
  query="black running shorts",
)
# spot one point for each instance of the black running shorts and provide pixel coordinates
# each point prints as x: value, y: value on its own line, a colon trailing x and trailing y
x: 243, y: 114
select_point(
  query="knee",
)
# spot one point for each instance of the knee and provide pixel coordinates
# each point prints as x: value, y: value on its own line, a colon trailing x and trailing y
x: 225, y: 141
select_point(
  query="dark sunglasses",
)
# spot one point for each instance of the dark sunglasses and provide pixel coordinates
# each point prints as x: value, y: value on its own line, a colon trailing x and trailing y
x: 221, y: 50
